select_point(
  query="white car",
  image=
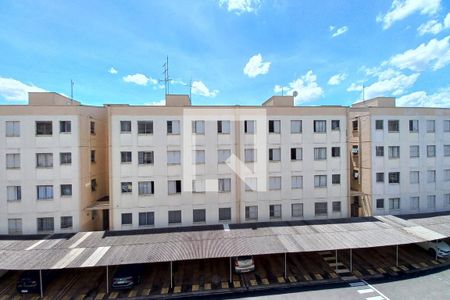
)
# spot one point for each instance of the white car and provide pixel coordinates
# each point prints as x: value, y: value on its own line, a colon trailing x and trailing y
x: 437, y: 248
x: 244, y: 264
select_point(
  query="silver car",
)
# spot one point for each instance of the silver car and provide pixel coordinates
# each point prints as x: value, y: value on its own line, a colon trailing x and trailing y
x: 244, y: 264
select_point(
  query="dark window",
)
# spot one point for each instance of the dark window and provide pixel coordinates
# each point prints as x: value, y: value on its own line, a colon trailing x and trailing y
x: 335, y: 125
x: 355, y: 125
x: 336, y: 179
x: 44, y: 128
x: 199, y: 215
x: 379, y: 125
x: 380, y: 177
x: 146, y: 218
x: 174, y: 216
x: 66, y: 190
x: 145, y: 127
x: 394, y: 177
x: 296, y: 154
x: 393, y: 126
x: 93, y: 185
x: 92, y: 127
x: 92, y: 156
x: 336, y: 206
x: 335, y: 151
x: 380, y: 203
x: 320, y: 126
x: 413, y: 125
x: 126, y: 187
x: 125, y: 126
x: 127, y: 218
x: 321, y: 208
x: 66, y: 222
x: 65, y: 126
x: 65, y: 158
x: 145, y: 158
x: 274, y: 126
x: 224, y: 213
x: 125, y: 157
x: 45, y: 224
x: 379, y: 150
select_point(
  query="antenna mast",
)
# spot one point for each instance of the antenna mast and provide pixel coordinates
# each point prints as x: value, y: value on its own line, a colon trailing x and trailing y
x: 166, y: 79
x: 363, y: 87
x: 71, y: 89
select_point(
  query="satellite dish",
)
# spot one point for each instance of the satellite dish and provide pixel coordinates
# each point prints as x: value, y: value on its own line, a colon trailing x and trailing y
x: 295, y: 94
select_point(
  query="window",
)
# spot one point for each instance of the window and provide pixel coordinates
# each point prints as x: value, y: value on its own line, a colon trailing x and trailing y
x: 446, y: 150
x: 12, y: 128
x: 66, y: 190
x: 297, y: 210
x: 355, y: 174
x: 447, y: 175
x: 250, y: 155
x: 146, y: 188
x: 223, y: 127
x: 446, y: 200
x: 414, y: 203
x: 92, y: 156
x: 320, y: 153
x: 199, y: 215
x: 45, y: 224
x: 173, y: 157
x: 355, y: 125
x: 198, y: 186
x: 274, y: 126
x: 431, y: 151
x: 15, y: 226
x: 431, y: 176
x: 274, y: 183
x: 413, y: 125
x: 44, y: 128
x: 14, y: 193
x: 66, y: 222
x: 145, y: 157
x: 394, y: 203
x: 44, y: 192
x: 127, y: 219
x: 393, y: 125
x: 379, y: 125
x: 65, y: 158
x: 198, y: 127
x: 321, y: 208
x: 394, y: 152
x: 380, y: 177
x: 93, y: 185
x: 430, y: 126
x: 355, y: 149
x: 296, y: 126
x: 250, y: 184
x: 380, y: 203
x: 414, y: 177
x: 275, y: 211
x: 446, y: 125
x: 65, y: 126
x: 199, y: 156
x: 275, y: 154
x: 146, y: 218
x: 335, y: 125
x: 224, y: 185
x: 224, y: 213
x: 320, y: 126
x: 125, y: 157
x: 145, y: 127
x: 336, y: 206
x: 126, y: 187
x: 296, y: 153
x: 296, y: 182
x: 431, y: 201
x: 13, y: 161
x: 125, y: 126
x: 173, y: 127
x: 249, y: 126
x: 414, y: 151
x: 223, y: 155
x: 394, y: 177
x: 320, y: 181
x: 379, y: 150
x: 92, y: 127
x: 335, y: 151
x: 251, y: 212
x: 174, y: 216
x: 336, y: 179
x: 174, y: 187
x: 44, y: 160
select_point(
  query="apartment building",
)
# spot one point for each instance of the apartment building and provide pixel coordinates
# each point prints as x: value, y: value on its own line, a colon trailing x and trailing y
x: 53, y: 162
x: 400, y: 158
x: 182, y: 165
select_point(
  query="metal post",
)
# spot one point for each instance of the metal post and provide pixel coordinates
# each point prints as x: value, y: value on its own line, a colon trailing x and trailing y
x: 171, y: 276
x: 396, y: 260
x: 40, y: 284
x: 285, y: 265
x: 336, y: 260
x: 231, y: 275
x: 107, y: 280
x: 351, y: 261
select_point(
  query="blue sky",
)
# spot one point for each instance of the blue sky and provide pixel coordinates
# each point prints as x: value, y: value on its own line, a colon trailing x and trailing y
x: 235, y: 51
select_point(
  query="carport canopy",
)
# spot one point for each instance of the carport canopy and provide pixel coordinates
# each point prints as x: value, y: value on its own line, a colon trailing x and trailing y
x: 107, y: 248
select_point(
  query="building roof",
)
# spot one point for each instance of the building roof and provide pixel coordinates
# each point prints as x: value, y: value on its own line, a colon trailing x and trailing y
x: 101, y: 248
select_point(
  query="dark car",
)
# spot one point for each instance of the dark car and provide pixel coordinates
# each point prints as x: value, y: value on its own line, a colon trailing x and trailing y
x: 127, y: 276
x: 29, y: 282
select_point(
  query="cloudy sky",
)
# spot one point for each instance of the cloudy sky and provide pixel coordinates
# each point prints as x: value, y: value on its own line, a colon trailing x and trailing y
x: 228, y: 51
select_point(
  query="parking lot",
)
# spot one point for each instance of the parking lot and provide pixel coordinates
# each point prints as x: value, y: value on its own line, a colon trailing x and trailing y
x: 213, y: 276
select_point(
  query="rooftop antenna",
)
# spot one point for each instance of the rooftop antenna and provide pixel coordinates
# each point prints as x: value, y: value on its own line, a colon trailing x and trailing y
x: 282, y: 91
x: 363, y: 87
x: 190, y: 89
x: 71, y: 89
x: 166, y: 79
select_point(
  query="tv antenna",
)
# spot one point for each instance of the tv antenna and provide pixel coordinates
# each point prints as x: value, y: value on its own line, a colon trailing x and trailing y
x: 295, y: 94
x: 166, y: 79
x: 71, y: 89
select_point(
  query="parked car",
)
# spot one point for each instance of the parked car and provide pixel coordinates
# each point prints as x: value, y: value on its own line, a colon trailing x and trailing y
x: 29, y: 282
x: 437, y: 248
x: 244, y: 264
x: 127, y: 276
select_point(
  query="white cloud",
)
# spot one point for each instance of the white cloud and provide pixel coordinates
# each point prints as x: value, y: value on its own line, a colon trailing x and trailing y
x: 255, y: 66
x: 15, y: 90
x: 112, y: 70
x: 447, y: 21
x: 400, y: 9
x: 338, y: 31
x: 199, y: 88
x: 159, y: 103
x: 354, y: 87
x: 432, y: 26
x: 306, y: 87
x: 337, y: 79
x: 422, y: 99
x: 139, y: 79
x: 436, y: 53
x: 241, y: 6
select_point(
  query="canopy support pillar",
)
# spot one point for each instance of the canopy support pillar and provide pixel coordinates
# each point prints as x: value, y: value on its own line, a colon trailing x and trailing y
x: 171, y: 275
x: 396, y: 256
x: 231, y: 275
x: 107, y: 280
x: 351, y: 260
x: 40, y: 284
x: 285, y: 265
x: 336, y: 261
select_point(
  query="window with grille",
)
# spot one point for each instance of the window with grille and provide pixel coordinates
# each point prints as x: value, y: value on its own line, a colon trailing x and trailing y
x: 174, y: 216
x: 414, y: 151
x: 146, y: 218
x: 146, y: 188
x: 336, y: 179
x: 394, y: 177
x: 15, y: 226
x: 13, y: 161
x: 431, y: 151
x: 126, y: 187
x: 12, y: 128
x: 45, y: 224
x: 199, y: 215
x: 393, y: 125
x: 66, y: 222
x: 66, y: 190
x: 379, y: 125
x: 145, y: 157
x: 394, y: 152
x: 125, y: 157
x: 65, y: 126
x: 44, y: 160
x: 320, y: 181
x: 92, y: 128
x: 275, y: 211
x: 379, y: 150
x: 65, y: 158
x: 336, y: 206
x: 224, y: 213
x: 297, y: 210
x: 145, y: 127
x: 127, y: 218
x: 321, y: 208
x: 44, y: 192
x: 379, y: 177
x: 320, y: 153
x: 44, y: 128
x: 380, y: 203
x: 320, y: 126
x: 394, y: 203
x: 251, y: 212
x: 413, y: 125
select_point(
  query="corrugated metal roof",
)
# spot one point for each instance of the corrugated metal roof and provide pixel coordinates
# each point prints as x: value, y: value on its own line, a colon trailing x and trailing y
x: 100, y: 248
